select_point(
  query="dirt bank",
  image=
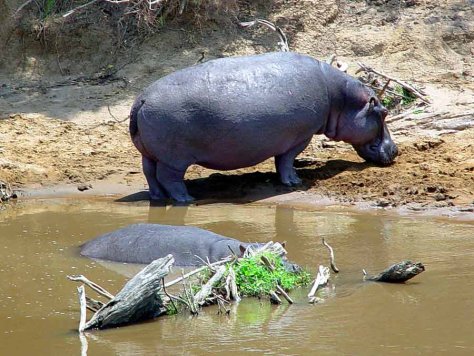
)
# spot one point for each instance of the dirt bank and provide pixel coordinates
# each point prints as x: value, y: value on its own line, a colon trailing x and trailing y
x: 60, y: 109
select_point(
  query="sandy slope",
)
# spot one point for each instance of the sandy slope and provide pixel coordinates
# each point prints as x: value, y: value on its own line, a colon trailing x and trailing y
x: 64, y: 134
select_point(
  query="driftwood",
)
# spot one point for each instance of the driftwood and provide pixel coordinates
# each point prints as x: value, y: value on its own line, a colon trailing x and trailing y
x: 398, y: 273
x: 200, y: 269
x: 206, y: 290
x: 140, y: 299
x: 320, y: 281
x: 420, y: 95
x: 331, y: 256
x: 6, y: 192
x: 231, y: 286
x: 92, y: 285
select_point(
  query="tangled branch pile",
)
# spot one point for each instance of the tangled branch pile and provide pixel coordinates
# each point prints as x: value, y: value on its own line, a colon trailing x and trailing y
x: 262, y: 272
x: 146, y: 14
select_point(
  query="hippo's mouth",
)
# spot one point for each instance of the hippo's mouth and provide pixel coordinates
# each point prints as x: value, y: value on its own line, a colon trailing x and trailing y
x: 382, y: 154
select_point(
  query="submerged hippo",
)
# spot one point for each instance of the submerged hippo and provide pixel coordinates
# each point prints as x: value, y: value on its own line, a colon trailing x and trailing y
x: 144, y: 243
x: 235, y: 112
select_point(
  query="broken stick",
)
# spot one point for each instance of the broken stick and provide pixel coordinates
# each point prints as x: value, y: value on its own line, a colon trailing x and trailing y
x: 283, y: 40
x: 92, y: 285
x: 200, y: 297
x: 271, y: 267
x: 331, y: 256
x: 320, y: 280
x: 407, y: 86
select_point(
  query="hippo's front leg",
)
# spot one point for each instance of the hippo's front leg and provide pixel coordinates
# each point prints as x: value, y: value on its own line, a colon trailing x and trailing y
x: 171, y: 179
x: 284, y: 164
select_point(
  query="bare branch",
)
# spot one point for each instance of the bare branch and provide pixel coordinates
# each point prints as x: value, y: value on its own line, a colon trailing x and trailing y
x: 283, y: 40
x: 22, y: 6
x: 331, y: 256
x: 92, y: 285
x: 407, y: 86
x: 70, y: 12
x: 82, y: 303
x: 200, y: 269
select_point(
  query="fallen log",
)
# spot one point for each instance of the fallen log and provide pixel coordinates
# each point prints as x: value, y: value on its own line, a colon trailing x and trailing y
x: 398, y: 273
x: 140, y: 299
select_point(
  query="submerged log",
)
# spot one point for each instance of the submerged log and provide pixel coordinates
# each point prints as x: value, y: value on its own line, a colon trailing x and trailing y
x: 140, y: 299
x: 399, y: 272
x: 321, y: 280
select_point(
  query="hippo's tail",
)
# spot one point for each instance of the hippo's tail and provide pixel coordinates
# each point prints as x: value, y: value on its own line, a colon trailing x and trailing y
x: 134, y: 116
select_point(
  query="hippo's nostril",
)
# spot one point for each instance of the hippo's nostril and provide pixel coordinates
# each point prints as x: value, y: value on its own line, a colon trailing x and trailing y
x: 394, y: 152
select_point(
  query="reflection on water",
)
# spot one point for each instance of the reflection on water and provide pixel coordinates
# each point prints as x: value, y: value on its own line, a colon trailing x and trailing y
x: 39, y: 310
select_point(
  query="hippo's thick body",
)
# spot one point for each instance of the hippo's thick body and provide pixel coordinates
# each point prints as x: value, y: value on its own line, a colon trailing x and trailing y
x: 235, y: 112
x: 144, y: 243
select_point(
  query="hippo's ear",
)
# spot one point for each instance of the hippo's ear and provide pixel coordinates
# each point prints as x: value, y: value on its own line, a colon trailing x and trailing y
x: 283, y: 244
x: 372, y: 102
x: 242, y: 250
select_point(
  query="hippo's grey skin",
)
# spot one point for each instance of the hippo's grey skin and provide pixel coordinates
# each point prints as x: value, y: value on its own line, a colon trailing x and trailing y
x: 144, y: 243
x: 235, y: 112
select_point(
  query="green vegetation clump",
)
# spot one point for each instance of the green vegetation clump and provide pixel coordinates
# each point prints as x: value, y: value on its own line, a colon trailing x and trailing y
x: 408, y: 96
x: 254, y: 279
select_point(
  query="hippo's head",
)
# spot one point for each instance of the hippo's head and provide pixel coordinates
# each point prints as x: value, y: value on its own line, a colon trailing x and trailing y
x: 377, y: 145
x: 362, y: 124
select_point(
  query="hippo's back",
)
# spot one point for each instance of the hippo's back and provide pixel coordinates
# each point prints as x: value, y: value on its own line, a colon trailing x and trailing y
x: 231, y: 113
x: 143, y: 243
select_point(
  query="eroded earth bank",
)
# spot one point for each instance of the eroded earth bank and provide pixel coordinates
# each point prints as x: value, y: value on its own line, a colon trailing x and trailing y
x: 67, y: 87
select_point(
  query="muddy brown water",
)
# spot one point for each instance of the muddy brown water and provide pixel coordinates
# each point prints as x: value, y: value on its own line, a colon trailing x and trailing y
x: 433, y: 313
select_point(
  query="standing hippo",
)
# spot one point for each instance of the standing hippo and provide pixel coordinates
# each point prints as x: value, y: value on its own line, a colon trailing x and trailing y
x: 144, y: 243
x: 235, y: 112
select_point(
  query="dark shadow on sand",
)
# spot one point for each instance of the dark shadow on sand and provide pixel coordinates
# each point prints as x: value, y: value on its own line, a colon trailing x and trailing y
x: 249, y: 187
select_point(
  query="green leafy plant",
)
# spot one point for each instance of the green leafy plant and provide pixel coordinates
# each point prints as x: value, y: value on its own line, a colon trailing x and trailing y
x: 253, y: 278
x: 48, y: 7
x: 408, y: 96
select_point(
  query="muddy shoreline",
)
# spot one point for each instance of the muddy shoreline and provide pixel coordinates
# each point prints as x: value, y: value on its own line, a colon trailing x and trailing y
x: 136, y: 195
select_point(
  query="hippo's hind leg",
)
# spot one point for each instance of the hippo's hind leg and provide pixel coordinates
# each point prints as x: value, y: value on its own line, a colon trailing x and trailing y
x: 149, y: 169
x: 284, y: 164
x: 171, y: 179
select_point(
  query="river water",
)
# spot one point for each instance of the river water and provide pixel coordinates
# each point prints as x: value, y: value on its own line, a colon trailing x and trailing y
x: 431, y: 314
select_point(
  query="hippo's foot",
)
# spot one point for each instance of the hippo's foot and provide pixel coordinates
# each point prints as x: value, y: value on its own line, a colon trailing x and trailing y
x: 183, y: 198
x: 290, y: 179
x: 171, y: 180
x: 157, y: 195
x: 284, y: 164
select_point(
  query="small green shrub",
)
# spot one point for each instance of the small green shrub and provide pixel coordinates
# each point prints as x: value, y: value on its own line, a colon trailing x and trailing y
x: 408, y: 96
x: 253, y: 278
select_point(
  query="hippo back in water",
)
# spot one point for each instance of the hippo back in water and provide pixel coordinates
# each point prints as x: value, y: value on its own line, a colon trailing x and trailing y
x: 235, y: 112
x: 143, y: 243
